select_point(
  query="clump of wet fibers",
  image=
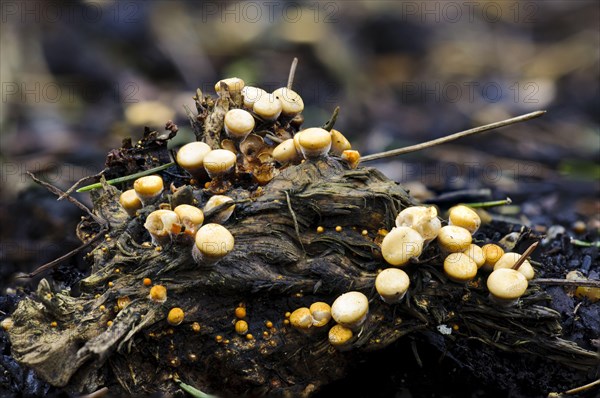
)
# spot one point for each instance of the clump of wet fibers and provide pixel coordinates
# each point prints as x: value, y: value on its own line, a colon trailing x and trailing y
x: 270, y: 289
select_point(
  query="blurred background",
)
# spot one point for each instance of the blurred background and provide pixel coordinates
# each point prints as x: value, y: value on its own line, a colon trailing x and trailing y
x: 79, y: 76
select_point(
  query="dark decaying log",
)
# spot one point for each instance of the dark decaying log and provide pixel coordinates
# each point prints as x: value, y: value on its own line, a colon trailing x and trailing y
x: 112, y: 334
x: 280, y: 263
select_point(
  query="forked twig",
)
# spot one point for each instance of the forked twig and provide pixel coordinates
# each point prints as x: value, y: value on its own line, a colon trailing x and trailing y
x: 82, y: 180
x: 58, y: 192
x: 451, y: 137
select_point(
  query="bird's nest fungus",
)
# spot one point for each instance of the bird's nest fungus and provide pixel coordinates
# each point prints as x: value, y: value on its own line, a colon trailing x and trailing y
x: 305, y: 231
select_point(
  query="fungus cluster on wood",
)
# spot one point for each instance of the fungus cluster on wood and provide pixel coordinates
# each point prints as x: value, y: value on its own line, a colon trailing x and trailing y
x: 280, y: 219
x: 417, y: 226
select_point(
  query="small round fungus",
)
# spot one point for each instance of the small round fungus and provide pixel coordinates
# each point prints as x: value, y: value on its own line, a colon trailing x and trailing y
x: 506, y: 285
x: 286, y: 152
x: 350, y: 309
x: 175, y: 316
x: 240, y: 312
x: 148, y: 188
x: 267, y: 107
x: 321, y: 313
x: 291, y: 102
x: 508, y: 260
x: 314, y: 142
x: 158, y: 293
x: 339, y: 143
x: 301, y: 318
x: 340, y: 336
x: 454, y: 239
x: 400, y: 245
x: 233, y: 84
x: 492, y: 253
x: 7, y: 324
x: 223, y: 215
x: 465, y: 217
x: 241, y: 327
x: 251, y: 95
x: 162, y: 224
x: 459, y: 267
x: 351, y: 157
x: 191, y: 156
x: 130, y: 202
x: 190, y: 216
x: 123, y: 302
x: 219, y: 162
x: 213, y: 242
x: 392, y: 284
x: 238, y: 124
x: 422, y: 219
x: 476, y: 254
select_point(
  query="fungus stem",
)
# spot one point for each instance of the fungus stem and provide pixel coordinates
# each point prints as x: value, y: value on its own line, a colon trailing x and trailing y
x: 525, y: 255
x: 292, y: 73
x: 126, y: 178
x: 451, y: 137
x: 331, y: 122
x: 494, y: 203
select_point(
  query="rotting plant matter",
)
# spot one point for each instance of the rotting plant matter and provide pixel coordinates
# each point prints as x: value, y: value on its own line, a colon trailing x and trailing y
x: 239, y: 295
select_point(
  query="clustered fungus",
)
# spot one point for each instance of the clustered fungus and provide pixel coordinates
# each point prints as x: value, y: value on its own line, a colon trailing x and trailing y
x: 281, y: 234
x: 158, y: 293
x: 175, y: 316
x: 460, y: 267
x: 314, y: 142
x: 162, y: 225
x: 130, y: 202
x: 492, y: 253
x: 190, y: 157
x: 339, y: 143
x: 219, y: 162
x: 238, y: 124
x: 464, y: 216
x: 340, y: 336
x: 291, y: 102
x: 392, y: 285
x: 508, y: 260
x: 422, y: 219
x: 251, y: 95
x: 226, y: 211
x: 232, y: 85
x: 454, y: 239
x: 148, y: 189
x: 506, y: 286
x: 301, y: 319
x: 267, y: 107
x: 190, y: 217
x: 213, y: 241
x: 241, y: 327
x: 400, y: 245
x: 350, y: 309
x: 321, y: 313
x: 417, y: 226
